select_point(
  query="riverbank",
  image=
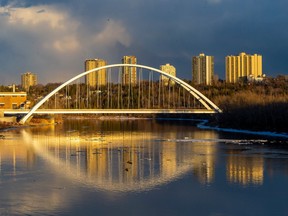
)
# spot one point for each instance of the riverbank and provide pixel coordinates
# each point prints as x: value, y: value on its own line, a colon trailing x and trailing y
x: 249, y: 120
x: 7, y: 125
x: 4, y: 128
x: 252, y: 106
x: 255, y: 117
x: 207, y: 122
x: 205, y: 125
x: 107, y: 117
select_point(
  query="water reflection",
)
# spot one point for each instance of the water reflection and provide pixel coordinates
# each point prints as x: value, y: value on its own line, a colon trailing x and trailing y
x: 119, y: 162
x: 110, y: 156
x: 22, y: 190
x: 120, y: 157
x: 244, y: 170
x: 16, y: 156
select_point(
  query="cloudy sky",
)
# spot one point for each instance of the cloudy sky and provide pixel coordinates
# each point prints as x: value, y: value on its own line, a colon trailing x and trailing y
x: 52, y: 38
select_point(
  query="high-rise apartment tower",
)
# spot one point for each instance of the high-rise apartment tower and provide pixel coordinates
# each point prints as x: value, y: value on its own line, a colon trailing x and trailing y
x: 170, y: 69
x: 203, y: 69
x: 96, y: 78
x: 28, y: 79
x: 243, y: 66
x: 129, y: 74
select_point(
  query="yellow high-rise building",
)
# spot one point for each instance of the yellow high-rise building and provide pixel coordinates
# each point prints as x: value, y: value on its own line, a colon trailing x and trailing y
x: 243, y: 66
x: 129, y: 74
x: 170, y: 69
x: 96, y: 78
x: 203, y: 69
x: 28, y: 79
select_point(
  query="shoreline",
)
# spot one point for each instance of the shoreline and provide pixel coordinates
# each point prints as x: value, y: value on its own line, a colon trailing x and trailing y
x: 204, y: 124
x: 106, y: 117
x: 9, y: 126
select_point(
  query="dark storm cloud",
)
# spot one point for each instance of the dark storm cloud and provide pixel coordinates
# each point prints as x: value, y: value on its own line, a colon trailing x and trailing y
x: 156, y: 31
x: 176, y: 30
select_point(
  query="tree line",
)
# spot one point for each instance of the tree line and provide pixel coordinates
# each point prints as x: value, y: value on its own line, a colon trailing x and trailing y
x: 255, y: 106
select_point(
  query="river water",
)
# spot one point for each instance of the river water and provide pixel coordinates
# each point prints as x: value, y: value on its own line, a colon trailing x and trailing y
x: 141, y: 167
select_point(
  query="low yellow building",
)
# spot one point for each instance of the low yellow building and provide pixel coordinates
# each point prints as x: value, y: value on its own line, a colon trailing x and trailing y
x: 13, y: 100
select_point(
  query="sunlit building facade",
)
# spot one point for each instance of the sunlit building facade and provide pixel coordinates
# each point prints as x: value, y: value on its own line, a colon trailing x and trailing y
x: 170, y: 69
x: 243, y: 66
x: 27, y: 80
x: 97, y: 78
x: 13, y: 100
x: 203, y: 69
x: 129, y: 74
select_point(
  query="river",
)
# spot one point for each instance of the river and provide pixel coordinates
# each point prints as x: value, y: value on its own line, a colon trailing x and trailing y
x: 141, y: 167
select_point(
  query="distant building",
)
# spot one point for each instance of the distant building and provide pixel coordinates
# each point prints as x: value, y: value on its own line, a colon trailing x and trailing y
x: 215, y: 78
x: 96, y: 78
x: 129, y: 74
x: 28, y: 79
x: 243, y: 67
x: 170, y: 69
x: 13, y: 100
x: 203, y: 69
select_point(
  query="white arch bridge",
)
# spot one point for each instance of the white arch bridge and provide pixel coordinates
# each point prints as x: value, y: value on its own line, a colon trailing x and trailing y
x: 154, y: 95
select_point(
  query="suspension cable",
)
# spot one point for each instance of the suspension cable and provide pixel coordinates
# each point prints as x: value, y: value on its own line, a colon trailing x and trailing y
x: 119, y: 86
x: 159, y: 92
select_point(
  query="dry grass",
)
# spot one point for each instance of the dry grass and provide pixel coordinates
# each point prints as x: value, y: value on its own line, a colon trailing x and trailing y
x: 252, y: 107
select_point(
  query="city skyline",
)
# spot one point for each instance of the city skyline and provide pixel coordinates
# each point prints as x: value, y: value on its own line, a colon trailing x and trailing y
x: 52, y: 38
x: 96, y: 62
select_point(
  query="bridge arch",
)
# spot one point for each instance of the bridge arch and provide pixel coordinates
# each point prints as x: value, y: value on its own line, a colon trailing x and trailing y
x: 208, y: 104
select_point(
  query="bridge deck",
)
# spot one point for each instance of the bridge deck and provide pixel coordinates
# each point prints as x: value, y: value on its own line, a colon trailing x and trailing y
x: 112, y: 111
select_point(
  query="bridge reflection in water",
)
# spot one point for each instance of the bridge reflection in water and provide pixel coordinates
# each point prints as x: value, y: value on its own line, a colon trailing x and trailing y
x: 129, y: 160
x: 125, y: 162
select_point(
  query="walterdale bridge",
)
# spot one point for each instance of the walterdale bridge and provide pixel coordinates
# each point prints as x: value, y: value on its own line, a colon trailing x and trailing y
x: 152, y: 92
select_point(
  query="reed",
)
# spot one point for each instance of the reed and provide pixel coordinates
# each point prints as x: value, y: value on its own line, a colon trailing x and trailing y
x: 254, y: 107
